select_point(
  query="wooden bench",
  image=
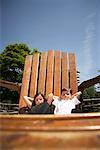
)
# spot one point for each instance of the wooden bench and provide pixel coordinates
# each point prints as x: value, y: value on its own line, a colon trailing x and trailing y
x: 43, y: 132
x: 48, y: 72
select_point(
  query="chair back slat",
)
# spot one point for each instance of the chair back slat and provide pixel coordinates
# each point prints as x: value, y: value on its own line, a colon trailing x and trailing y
x: 42, y: 73
x: 25, y: 80
x: 73, y: 73
x: 57, y: 73
x: 50, y: 69
x: 34, y: 75
x: 65, y: 70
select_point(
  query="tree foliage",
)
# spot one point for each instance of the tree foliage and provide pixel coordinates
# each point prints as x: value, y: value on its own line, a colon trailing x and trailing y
x: 11, y: 68
x: 12, y: 62
x: 35, y: 50
x: 90, y: 93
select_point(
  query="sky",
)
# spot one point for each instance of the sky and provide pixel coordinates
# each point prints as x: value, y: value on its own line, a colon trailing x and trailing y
x: 66, y: 25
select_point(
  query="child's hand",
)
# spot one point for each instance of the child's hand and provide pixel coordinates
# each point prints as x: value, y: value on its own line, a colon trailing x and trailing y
x: 50, y: 98
x: 50, y: 95
x: 79, y: 93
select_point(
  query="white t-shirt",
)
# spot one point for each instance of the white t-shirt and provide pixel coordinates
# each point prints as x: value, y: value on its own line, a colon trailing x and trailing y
x: 65, y: 106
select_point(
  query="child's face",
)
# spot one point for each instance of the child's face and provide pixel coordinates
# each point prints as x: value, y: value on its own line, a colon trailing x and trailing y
x: 39, y: 99
x: 65, y: 95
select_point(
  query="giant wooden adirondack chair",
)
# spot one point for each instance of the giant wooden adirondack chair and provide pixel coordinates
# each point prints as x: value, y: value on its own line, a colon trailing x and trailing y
x: 48, y: 72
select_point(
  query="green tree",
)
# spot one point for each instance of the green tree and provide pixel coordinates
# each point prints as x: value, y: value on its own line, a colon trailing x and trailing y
x: 11, y: 68
x: 35, y: 50
x: 12, y: 62
x: 89, y: 92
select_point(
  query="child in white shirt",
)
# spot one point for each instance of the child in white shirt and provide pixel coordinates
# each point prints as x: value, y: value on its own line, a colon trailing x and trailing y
x: 66, y: 102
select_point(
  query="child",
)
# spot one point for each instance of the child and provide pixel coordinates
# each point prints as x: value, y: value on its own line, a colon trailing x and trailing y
x: 66, y: 102
x: 39, y: 105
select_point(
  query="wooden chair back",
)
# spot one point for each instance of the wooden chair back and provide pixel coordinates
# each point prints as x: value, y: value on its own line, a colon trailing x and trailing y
x: 48, y: 72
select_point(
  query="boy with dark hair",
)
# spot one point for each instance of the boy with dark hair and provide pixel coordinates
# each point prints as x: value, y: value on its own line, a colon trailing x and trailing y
x: 66, y: 102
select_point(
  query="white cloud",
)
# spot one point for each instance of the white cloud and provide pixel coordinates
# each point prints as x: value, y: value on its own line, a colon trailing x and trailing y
x: 87, y: 60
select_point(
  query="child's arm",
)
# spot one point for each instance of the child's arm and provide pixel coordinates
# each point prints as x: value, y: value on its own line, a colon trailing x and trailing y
x: 50, y: 98
x: 77, y: 95
x: 28, y: 101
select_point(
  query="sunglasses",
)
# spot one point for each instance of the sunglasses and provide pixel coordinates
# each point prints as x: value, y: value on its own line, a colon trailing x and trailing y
x: 65, y: 94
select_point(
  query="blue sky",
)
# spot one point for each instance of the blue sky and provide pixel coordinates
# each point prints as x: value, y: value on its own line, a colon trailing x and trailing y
x: 67, y: 25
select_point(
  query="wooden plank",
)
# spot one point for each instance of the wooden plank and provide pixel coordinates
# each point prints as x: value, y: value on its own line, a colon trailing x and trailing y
x: 10, y: 85
x: 91, y: 100
x: 58, y: 117
x: 73, y: 122
x: 50, y: 69
x: 42, y: 131
x: 25, y: 80
x: 34, y: 75
x: 50, y: 140
x: 73, y: 73
x: 57, y: 73
x: 42, y: 73
x: 65, y: 71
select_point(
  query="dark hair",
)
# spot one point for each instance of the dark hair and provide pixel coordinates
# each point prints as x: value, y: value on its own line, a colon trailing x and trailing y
x: 66, y: 89
x: 37, y: 94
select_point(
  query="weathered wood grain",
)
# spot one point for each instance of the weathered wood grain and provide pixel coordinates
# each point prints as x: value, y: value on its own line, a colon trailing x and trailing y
x: 57, y: 73
x: 65, y: 70
x: 25, y: 80
x: 50, y: 71
x: 73, y: 73
x: 34, y: 75
x: 76, y: 131
x: 42, y: 73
